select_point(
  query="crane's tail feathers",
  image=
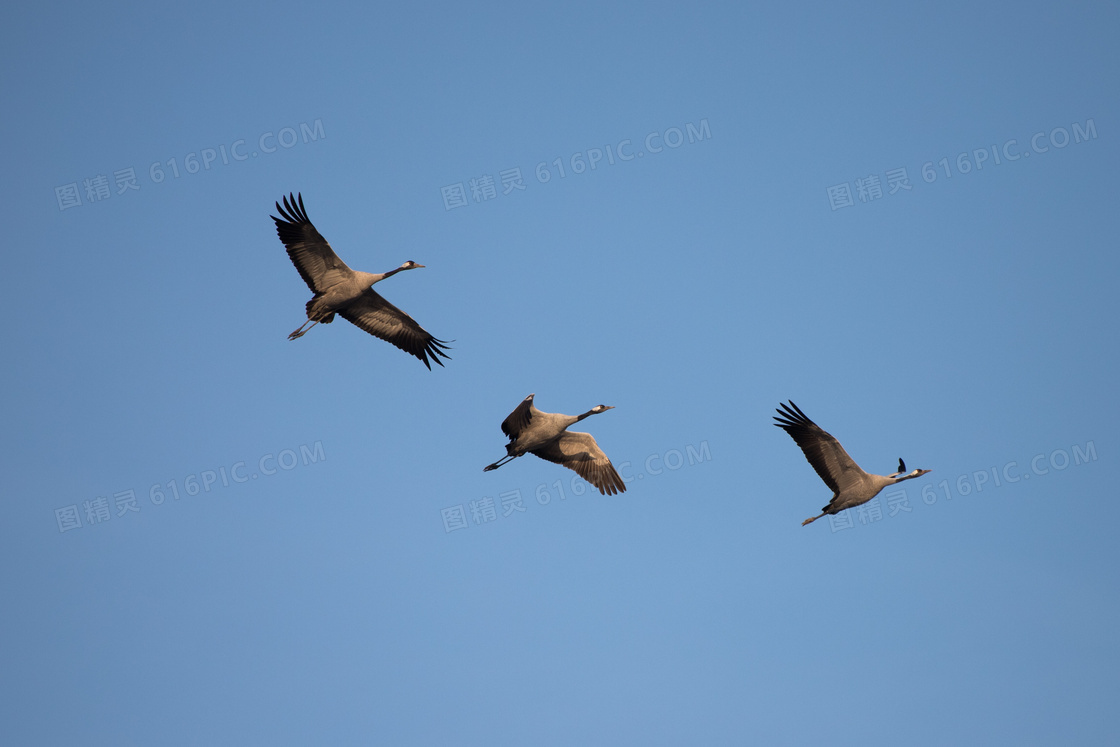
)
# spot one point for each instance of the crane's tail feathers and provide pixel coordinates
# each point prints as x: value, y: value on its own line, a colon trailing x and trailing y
x: 312, y: 312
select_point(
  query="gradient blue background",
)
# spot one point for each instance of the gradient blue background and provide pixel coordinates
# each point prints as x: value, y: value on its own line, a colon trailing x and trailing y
x: 968, y: 324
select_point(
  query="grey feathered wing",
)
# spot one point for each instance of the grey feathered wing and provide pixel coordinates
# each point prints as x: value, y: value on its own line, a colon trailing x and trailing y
x: 832, y: 463
x: 382, y: 319
x: 579, y: 452
x: 519, y: 419
x: 313, y: 257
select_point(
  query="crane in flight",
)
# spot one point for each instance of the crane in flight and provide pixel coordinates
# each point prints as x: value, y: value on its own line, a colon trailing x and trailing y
x: 850, y: 485
x: 546, y: 434
x: 350, y: 294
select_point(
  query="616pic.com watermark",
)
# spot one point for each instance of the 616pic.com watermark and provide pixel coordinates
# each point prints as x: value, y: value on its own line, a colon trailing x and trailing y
x: 966, y: 484
x: 485, y: 510
x: 98, y: 189
x: 870, y: 188
x: 101, y: 509
x: 482, y: 188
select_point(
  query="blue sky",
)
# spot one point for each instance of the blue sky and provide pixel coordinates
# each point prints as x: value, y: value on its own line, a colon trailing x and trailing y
x: 898, y: 218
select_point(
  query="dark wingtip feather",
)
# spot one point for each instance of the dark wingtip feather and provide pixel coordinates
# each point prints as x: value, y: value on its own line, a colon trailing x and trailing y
x: 292, y: 210
x: 433, y: 349
x: 792, y: 418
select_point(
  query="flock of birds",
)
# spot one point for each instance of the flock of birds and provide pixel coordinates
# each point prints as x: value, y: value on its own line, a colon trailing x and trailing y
x: 350, y: 294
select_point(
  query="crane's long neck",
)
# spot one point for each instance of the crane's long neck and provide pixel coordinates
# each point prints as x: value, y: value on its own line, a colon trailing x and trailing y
x: 584, y: 415
x: 370, y: 278
x: 366, y: 279
x: 911, y: 476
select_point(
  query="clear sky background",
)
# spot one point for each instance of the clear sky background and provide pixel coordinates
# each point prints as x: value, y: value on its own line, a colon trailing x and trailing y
x: 902, y: 219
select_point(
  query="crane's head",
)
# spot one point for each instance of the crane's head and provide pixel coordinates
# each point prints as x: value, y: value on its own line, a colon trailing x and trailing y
x: 410, y: 265
x: 594, y: 411
x: 912, y: 475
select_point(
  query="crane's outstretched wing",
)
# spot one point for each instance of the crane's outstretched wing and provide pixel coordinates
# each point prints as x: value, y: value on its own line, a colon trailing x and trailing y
x: 824, y: 452
x: 317, y: 263
x: 382, y: 319
x: 579, y: 452
x: 518, y: 420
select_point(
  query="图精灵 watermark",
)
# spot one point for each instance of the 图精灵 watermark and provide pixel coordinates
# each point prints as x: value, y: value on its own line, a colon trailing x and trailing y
x: 870, y: 187
x: 509, y: 503
x: 484, y: 187
x: 967, y: 484
x: 118, y: 504
x: 100, y: 187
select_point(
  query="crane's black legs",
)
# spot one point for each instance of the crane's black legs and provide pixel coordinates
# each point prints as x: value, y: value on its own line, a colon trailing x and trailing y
x: 811, y: 519
x: 301, y: 331
x: 498, y: 463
